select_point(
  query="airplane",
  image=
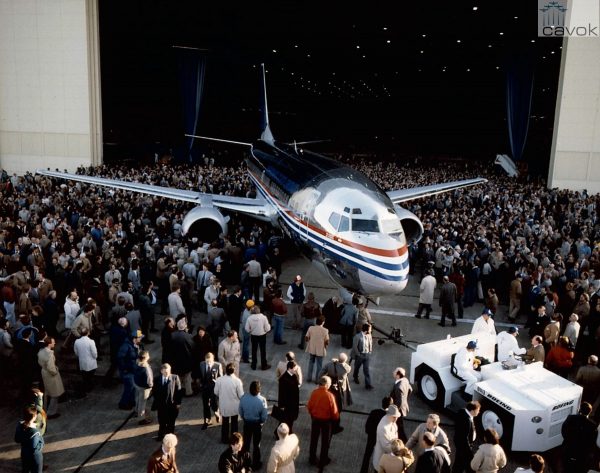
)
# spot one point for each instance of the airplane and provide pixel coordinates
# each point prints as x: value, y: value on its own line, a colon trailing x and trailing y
x: 354, y: 232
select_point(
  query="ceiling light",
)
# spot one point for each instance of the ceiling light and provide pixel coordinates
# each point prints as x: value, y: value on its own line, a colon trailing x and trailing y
x: 422, y: 52
x: 516, y: 17
x: 385, y: 28
x: 424, y: 35
x: 501, y: 33
x: 274, y: 50
x: 489, y: 45
x: 533, y: 40
x: 357, y: 46
x: 458, y: 40
x: 388, y: 41
x: 497, y: 67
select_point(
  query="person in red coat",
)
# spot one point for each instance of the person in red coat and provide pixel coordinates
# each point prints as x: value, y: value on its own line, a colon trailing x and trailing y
x: 560, y: 358
x: 324, y: 412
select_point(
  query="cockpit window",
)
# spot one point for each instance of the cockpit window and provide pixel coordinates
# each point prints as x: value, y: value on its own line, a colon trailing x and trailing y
x: 334, y: 220
x: 391, y: 226
x: 356, y: 211
x: 361, y: 225
x: 344, y: 224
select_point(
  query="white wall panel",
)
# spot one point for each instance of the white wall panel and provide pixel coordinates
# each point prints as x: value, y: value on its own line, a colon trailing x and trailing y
x: 575, y: 159
x: 49, y: 84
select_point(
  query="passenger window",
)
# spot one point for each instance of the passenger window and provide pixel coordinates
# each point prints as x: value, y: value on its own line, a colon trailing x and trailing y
x: 334, y: 220
x: 344, y: 224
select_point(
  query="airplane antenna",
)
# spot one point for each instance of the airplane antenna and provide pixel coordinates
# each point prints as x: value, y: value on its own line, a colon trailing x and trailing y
x: 266, y: 135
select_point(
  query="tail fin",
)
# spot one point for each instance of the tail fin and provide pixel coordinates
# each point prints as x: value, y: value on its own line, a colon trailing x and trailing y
x: 266, y: 134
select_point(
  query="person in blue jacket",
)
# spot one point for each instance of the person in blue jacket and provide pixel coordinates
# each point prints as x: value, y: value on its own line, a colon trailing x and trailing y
x: 32, y: 442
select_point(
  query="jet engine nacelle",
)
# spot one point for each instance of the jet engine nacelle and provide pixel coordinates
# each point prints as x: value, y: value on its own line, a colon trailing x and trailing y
x: 205, y: 223
x: 412, y: 226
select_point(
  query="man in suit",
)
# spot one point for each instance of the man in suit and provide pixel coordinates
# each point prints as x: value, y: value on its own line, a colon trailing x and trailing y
x: 210, y: 370
x: 579, y: 434
x: 399, y: 394
x: 167, y: 394
x: 447, y: 300
x: 464, y: 436
x: 434, y: 459
x: 163, y: 459
x: 371, y: 429
x: 235, y: 307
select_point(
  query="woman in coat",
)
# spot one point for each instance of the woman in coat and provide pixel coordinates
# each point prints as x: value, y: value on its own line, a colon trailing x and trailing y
x: 289, y: 395
x: 489, y: 457
x: 284, y: 452
x: 398, y: 461
x: 53, y: 385
x: 560, y: 358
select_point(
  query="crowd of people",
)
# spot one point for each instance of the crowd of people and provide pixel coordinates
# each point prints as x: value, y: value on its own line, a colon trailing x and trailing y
x: 82, y: 264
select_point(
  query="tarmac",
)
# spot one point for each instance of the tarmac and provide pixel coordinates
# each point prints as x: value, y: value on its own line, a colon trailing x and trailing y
x: 93, y: 435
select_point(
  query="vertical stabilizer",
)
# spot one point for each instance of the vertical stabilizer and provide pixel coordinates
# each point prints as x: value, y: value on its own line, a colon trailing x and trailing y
x: 266, y: 134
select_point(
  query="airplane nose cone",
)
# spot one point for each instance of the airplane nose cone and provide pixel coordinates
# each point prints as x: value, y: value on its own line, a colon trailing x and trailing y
x: 375, y: 285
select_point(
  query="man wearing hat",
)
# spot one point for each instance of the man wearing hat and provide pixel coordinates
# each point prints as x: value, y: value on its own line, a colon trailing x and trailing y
x: 387, y: 431
x: 484, y: 323
x: 507, y: 344
x: 465, y: 364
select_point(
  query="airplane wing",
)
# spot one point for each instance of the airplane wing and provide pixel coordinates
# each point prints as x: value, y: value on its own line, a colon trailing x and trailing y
x: 403, y: 195
x: 256, y: 207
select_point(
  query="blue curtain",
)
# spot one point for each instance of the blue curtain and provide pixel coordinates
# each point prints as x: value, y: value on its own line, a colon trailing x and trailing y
x: 192, y: 66
x: 519, y: 91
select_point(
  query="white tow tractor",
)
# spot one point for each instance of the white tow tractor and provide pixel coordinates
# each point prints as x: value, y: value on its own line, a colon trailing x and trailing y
x: 526, y: 405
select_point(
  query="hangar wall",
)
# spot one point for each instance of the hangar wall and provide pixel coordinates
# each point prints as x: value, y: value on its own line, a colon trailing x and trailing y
x: 50, y: 107
x: 575, y: 155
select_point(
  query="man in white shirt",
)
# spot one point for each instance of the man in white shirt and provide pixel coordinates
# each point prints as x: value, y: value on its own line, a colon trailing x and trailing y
x: 465, y: 364
x: 507, y: 344
x: 485, y: 323
x: 85, y: 349
x: 258, y: 326
x: 71, y: 309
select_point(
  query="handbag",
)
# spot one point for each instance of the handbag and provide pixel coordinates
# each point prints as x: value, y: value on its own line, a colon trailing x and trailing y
x: 278, y: 413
